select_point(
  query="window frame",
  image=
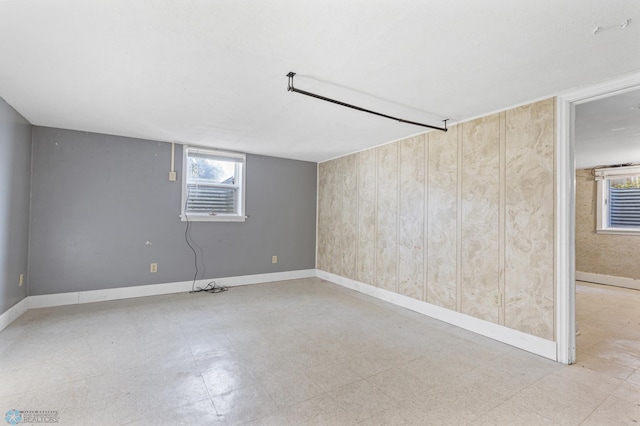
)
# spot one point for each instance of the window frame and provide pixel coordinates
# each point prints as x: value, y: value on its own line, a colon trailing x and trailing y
x: 603, y: 180
x: 240, y: 160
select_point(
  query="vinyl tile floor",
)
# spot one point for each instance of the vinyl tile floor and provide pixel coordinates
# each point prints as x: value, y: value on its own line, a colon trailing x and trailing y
x: 305, y: 352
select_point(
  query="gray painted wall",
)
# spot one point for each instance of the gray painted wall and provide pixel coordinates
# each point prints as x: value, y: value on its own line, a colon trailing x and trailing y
x: 98, y: 198
x: 15, y: 173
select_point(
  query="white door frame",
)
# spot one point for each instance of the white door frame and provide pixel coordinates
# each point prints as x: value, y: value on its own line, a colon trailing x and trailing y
x: 566, y: 205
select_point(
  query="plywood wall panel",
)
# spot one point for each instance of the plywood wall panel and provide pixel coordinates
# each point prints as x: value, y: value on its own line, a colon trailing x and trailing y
x: 480, y: 243
x: 322, y: 261
x: 387, y: 217
x: 442, y: 218
x: 349, y: 216
x: 366, y: 252
x: 329, y: 218
x: 529, y: 233
x: 411, y: 230
x: 451, y: 218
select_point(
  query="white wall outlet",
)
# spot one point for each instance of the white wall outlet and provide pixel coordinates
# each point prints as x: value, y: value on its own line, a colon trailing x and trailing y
x: 274, y: 259
x: 172, y: 176
x: 498, y: 300
x: 153, y: 268
x: 21, y: 280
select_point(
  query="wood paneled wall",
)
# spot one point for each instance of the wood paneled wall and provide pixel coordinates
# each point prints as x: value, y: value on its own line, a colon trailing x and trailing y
x: 453, y: 219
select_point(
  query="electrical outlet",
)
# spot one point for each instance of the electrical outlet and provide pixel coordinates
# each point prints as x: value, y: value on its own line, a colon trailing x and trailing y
x: 497, y: 300
x: 274, y: 259
x: 153, y: 268
x: 172, y: 176
x: 21, y: 280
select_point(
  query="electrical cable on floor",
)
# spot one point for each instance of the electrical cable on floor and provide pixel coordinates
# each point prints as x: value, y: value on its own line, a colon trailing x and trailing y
x: 211, y: 287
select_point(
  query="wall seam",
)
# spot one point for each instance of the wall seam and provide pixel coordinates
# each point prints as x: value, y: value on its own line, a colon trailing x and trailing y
x: 425, y: 220
x: 342, y: 176
x: 555, y: 233
x: 459, y: 222
x: 357, y: 218
x: 317, y: 213
x: 375, y: 220
x: 502, y: 217
x: 398, y: 212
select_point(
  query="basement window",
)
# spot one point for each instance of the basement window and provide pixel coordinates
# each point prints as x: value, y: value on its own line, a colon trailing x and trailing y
x: 618, y: 194
x: 212, y: 185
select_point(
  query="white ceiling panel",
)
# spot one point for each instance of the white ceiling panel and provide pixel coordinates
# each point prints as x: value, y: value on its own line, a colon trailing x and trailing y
x: 213, y: 72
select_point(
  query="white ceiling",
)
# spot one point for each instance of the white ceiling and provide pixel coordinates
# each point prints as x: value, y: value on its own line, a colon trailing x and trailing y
x: 213, y: 72
x: 608, y: 131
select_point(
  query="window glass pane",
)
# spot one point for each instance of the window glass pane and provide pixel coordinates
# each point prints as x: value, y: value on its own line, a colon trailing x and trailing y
x: 208, y: 170
x: 626, y: 182
x: 213, y: 184
x: 624, y: 202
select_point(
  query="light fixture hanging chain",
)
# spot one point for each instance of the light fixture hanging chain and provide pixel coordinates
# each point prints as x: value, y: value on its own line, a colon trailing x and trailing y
x: 290, y: 88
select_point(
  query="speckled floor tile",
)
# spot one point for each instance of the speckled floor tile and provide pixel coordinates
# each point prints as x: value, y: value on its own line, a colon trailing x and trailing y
x: 309, y: 352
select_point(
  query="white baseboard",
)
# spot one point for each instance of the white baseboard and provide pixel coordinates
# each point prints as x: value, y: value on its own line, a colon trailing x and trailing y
x: 12, y: 314
x: 72, y: 298
x: 265, y: 278
x: 608, y: 280
x: 77, y: 297
x: 518, y: 339
x: 536, y: 345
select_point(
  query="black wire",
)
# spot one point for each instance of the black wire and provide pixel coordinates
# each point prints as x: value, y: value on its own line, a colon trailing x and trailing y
x: 199, y: 249
x: 212, y: 287
x: 186, y: 238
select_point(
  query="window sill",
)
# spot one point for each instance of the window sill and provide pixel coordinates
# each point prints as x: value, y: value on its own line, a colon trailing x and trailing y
x: 211, y: 218
x: 618, y: 231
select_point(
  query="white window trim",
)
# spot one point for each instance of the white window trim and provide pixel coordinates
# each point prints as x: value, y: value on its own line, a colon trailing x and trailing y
x: 602, y: 210
x: 199, y: 217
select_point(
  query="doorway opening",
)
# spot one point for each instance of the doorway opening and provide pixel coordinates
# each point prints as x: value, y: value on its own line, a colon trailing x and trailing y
x: 607, y: 232
x: 567, y: 104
